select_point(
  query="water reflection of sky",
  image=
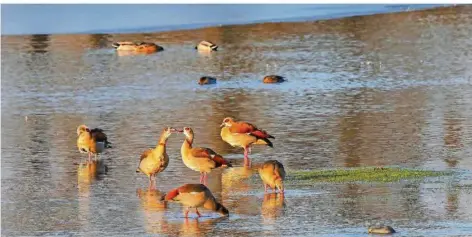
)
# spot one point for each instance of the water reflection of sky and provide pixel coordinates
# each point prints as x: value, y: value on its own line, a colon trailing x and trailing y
x: 52, y: 18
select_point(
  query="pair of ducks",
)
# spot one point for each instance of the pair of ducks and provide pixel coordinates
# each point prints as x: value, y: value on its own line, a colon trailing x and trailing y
x: 203, y: 160
x: 147, y: 47
x: 267, y: 79
x: 198, y: 195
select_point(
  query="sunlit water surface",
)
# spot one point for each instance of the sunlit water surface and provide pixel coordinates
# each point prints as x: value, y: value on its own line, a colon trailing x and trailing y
x: 383, y: 90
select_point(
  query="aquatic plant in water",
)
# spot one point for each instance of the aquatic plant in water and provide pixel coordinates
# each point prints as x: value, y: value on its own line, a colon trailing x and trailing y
x: 367, y: 174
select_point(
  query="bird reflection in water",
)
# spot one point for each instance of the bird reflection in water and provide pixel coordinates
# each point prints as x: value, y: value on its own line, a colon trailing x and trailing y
x: 273, y: 206
x: 234, y: 176
x: 199, y: 227
x: 156, y: 222
x: 132, y: 53
x: 87, y: 173
x: 234, y: 180
x: 153, y: 209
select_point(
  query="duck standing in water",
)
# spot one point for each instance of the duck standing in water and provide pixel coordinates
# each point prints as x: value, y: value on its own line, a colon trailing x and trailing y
x: 91, y: 141
x: 273, y: 79
x: 243, y: 134
x: 196, y: 196
x: 272, y: 174
x: 139, y: 47
x: 206, y: 46
x: 200, y: 159
x: 154, y: 161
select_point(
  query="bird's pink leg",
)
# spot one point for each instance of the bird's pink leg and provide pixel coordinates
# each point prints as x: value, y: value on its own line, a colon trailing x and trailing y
x: 203, y: 178
x: 202, y: 175
x: 150, y: 182
x: 90, y: 157
x: 198, y: 213
x: 154, y: 182
x: 246, y: 156
x: 265, y: 188
x: 186, y: 212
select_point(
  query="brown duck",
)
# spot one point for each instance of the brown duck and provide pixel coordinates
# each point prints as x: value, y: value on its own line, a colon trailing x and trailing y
x: 381, y: 230
x: 91, y: 141
x: 196, y: 196
x: 200, y: 159
x: 207, y: 80
x: 272, y: 174
x: 154, y: 161
x: 243, y: 134
x: 139, y: 47
x: 273, y: 79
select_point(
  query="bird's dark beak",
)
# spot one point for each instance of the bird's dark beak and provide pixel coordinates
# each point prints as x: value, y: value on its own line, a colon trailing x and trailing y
x: 222, y: 125
x: 163, y: 198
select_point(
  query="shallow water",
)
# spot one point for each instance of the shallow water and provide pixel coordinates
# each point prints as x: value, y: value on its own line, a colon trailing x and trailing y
x: 377, y: 90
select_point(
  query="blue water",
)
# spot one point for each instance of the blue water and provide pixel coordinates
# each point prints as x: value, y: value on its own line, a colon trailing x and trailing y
x: 120, y: 18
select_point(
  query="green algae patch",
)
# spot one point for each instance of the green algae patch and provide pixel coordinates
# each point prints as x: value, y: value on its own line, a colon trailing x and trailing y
x: 367, y: 174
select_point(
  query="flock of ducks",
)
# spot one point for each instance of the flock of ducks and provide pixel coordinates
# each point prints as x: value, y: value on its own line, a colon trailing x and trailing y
x: 203, y: 46
x: 200, y: 159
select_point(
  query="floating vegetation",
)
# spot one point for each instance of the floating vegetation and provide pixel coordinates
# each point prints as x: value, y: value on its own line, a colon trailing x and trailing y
x: 367, y: 174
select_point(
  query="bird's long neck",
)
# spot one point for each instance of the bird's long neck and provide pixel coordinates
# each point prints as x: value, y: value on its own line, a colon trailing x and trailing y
x: 187, y: 145
x: 212, y: 204
x: 161, y: 145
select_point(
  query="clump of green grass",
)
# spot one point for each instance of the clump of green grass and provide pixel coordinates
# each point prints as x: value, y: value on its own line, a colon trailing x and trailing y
x: 367, y: 174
